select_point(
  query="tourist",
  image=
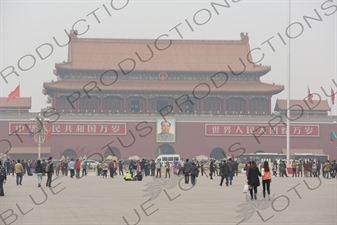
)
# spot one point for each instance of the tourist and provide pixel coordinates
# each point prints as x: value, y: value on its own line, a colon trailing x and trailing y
x: 266, y: 179
x: 49, y: 171
x: 142, y: 166
x: 194, y: 173
x: 202, y: 164
x: 44, y: 164
x: 231, y: 170
x: 38, y: 171
x: 299, y: 167
x: 224, y: 172
x: 120, y: 168
x: 112, y: 169
x: 139, y: 176
x: 181, y: 167
x: 71, y: 166
x: 211, y: 169
x: 99, y: 168
x: 294, y: 166
x: 78, y: 168
x: 318, y: 171
x: 138, y: 168
x: 326, y: 169
x: 13, y: 167
x: 253, y: 179
x: 3, y: 178
x: 84, y: 168
x: 167, y: 170
x: 275, y: 169
x: 310, y: 167
x: 115, y: 167
x: 127, y: 176
x: 66, y: 166
x: 8, y: 167
x: 186, y: 169
x: 236, y: 168
x: 314, y: 169
x: 19, y: 172
x: 306, y: 168
x: 247, y: 166
x: 58, y: 169
x: 105, y: 168
x: 153, y: 167
x: 158, y: 168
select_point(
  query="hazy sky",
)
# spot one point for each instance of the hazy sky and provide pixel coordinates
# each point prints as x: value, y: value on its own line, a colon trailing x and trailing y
x: 25, y: 25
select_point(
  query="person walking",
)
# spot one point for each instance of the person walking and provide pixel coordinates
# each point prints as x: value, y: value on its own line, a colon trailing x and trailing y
x: 211, y: 170
x: 224, y: 172
x: 8, y: 166
x: 71, y: 166
x: 105, y: 167
x: 294, y: 166
x: 38, y: 171
x: 78, y: 168
x: 19, y: 172
x: 84, y: 168
x: 194, y: 172
x: 275, y: 169
x: 253, y: 179
x: 112, y: 169
x: 266, y: 179
x: 186, y: 169
x: 158, y: 168
x: 167, y: 170
x: 120, y: 168
x: 299, y: 167
x: 3, y: 178
x: 49, y: 171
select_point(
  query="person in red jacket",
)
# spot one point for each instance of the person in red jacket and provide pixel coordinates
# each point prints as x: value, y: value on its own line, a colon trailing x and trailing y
x: 77, y: 168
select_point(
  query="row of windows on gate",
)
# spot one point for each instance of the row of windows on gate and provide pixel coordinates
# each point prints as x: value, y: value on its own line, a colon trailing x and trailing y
x: 139, y: 105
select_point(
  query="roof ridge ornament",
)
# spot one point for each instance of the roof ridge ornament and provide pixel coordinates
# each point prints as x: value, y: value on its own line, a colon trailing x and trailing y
x: 244, y: 37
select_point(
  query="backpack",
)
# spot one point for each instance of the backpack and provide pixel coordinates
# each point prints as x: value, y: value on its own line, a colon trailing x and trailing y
x: 2, y: 172
x: 314, y: 166
x: 46, y: 168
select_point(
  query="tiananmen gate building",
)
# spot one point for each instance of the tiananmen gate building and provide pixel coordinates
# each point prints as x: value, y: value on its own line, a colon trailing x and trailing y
x: 116, y: 94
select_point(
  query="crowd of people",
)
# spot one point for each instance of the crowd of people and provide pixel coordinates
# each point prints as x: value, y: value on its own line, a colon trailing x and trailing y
x: 138, y: 169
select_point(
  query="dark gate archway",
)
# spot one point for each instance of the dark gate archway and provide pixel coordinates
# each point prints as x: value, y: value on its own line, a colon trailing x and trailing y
x: 113, y: 151
x: 217, y: 153
x: 70, y: 153
x: 259, y: 151
x: 165, y: 149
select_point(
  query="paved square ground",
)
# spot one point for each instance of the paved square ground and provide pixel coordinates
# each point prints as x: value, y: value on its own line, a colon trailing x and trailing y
x: 94, y: 200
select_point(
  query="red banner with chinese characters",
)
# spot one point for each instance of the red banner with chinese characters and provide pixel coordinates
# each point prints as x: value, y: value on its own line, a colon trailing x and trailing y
x: 260, y: 130
x: 64, y: 128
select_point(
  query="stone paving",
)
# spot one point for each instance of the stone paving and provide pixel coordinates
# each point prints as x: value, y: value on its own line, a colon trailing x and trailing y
x: 94, y: 200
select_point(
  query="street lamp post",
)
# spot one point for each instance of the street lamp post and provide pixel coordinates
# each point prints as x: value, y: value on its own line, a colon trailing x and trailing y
x: 39, y: 132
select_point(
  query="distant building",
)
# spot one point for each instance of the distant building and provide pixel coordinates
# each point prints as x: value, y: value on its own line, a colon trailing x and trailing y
x: 317, y: 108
x: 17, y: 105
x: 218, y: 76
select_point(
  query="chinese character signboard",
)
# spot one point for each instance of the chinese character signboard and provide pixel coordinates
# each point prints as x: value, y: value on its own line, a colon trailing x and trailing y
x: 260, y: 130
x: 63, y: 128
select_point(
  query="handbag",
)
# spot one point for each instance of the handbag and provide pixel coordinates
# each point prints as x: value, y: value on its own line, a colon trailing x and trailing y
x: 245, y: 188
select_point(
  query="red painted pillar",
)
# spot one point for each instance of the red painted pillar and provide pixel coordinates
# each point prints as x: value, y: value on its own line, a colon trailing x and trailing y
x: 224, y: 108
x: 147, y: 105
x: 124, y: 104
x: 247, y: 107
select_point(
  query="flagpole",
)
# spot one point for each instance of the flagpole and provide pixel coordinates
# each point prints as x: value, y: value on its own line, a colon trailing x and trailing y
x: 288, y: 94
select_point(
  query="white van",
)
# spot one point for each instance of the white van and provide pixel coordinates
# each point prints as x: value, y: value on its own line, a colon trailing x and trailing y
x: 169, y: 157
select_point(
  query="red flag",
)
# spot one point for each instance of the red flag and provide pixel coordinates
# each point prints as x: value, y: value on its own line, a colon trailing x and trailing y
x: 332, y: 96
x: 14, y: 94
x: 49, y: 134
x: 310, y: 96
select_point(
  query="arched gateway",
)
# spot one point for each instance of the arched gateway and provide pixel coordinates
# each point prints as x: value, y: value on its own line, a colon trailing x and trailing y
x: 113, y: 151
x: 217, y: 153
x: 164, y: 149
x: 70, y: 153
